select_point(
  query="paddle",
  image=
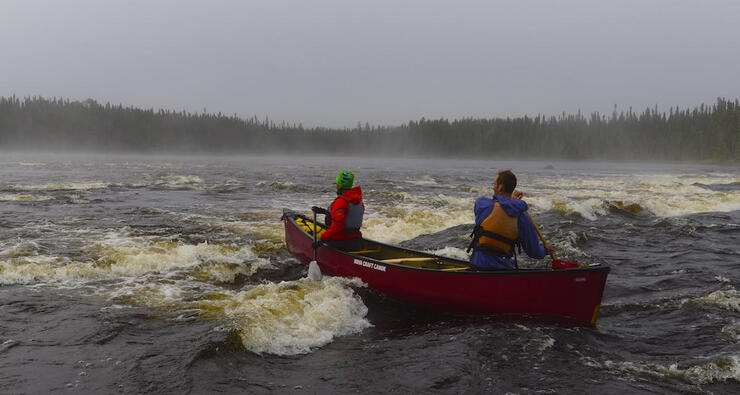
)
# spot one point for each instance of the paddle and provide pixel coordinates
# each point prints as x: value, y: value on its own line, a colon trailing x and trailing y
x: 314, y: 272
x: 556, y: 263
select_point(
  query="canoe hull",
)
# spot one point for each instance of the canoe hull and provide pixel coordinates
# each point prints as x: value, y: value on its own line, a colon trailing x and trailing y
x: 574, y: 293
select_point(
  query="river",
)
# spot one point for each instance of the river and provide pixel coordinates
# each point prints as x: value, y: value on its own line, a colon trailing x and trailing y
x: 143, y: 274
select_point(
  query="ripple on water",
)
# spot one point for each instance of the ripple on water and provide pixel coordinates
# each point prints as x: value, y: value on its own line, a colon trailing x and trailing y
x: 716, y: 369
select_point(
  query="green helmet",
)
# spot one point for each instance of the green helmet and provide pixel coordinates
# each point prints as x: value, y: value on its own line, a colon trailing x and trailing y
x: 345, y: 179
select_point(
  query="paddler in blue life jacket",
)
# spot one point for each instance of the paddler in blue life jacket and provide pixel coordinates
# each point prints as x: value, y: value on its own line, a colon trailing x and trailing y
x: 502, y: 226
x: 344, y: 217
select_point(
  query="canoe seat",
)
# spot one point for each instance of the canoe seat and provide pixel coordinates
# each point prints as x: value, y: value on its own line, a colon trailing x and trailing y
x: 363, y: 252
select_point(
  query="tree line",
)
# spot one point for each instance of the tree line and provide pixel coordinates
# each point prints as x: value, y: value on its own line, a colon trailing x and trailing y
x: 704, y: 133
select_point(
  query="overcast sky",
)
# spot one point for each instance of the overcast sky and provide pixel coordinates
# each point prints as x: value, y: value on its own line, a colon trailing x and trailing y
x: 339, y: 62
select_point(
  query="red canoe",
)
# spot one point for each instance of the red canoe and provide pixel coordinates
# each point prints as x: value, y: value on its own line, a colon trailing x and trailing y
x: 448, y: 284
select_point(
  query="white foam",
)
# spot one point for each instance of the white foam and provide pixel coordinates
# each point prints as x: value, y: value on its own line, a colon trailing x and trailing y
x: 732, y: 330
x: 664, y: 195
x: 589, y: 208
x: 36, y: 269
x: 23, y: 197
x: 295, y: 317
x: 276, y: 184
x: 709, y: 370
x: 423, y: 180
x: 726, y: 299
x: 8, y: 344
x: 545, y: 343
x: 269, y: 230
x: 118, y: 256
x: 76, y: 198
x: 25, y: 248
x: 565, y: 245
x: 60, y: 186
x: 174, y: 296
x: 722, y: 279
x: 712, y: 370
x: 417, y: 216
x: 128, y: 257
x: 179, y: 182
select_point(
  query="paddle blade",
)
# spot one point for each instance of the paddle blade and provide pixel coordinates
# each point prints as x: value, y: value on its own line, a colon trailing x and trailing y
x: 558, y: 264
x: 314, y: 272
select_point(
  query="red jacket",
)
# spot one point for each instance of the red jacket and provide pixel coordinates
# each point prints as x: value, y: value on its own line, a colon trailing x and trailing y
x: 339, y: 209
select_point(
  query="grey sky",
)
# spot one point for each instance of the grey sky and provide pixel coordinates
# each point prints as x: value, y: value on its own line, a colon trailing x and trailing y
x: 334, y: 63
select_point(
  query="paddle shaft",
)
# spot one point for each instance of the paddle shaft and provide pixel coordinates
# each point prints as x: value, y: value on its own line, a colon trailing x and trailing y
x: 542, y: 238
x: 314, y: 235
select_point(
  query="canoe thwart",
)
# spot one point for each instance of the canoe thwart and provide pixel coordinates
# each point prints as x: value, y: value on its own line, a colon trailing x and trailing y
x: 409, y: 259
x: 363, y: 252
x: 426, y: 259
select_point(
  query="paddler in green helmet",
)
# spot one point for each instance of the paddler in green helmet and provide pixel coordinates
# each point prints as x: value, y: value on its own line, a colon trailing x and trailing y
x: 344, y: 217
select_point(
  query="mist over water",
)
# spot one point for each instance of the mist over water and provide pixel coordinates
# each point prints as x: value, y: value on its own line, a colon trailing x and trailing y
x: 143, y: 274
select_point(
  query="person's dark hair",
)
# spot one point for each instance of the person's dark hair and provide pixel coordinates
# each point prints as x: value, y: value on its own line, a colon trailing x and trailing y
x: 507, y: 179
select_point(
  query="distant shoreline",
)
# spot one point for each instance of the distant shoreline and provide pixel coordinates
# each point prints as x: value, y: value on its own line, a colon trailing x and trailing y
x: 704, y: 134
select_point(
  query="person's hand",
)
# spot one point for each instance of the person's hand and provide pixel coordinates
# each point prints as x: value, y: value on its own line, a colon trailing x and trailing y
x: 517, y: 195
x: 316, y: 244
x: 318, y: 210
x: 550, y: 249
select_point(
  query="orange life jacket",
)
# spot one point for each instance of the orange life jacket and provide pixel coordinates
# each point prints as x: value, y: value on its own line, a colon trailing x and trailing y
x: 497, y: 233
